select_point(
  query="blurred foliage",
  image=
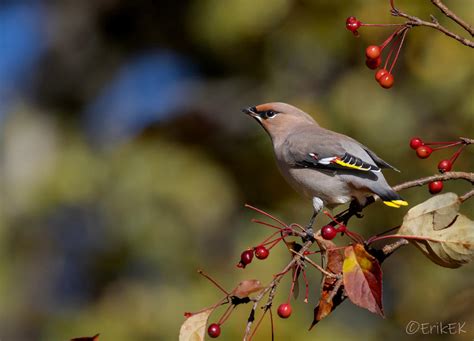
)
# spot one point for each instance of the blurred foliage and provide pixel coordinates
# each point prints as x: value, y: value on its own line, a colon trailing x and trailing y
x: 102, y: 235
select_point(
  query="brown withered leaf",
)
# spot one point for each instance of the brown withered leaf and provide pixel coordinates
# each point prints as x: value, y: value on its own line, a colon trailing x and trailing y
x: 194, y: 328
x: 247, y: 287
x: 362, y: 277
x: 327, y: 304
x: 87, y: 338
x: 450, y: 234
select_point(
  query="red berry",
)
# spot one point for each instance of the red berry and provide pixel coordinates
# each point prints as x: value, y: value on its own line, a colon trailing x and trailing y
x: 373, y: 63
x: 214, y: 330
x: 386, y: 81
x: 423, y: 152
x: 416, y: 142
x: 352, y: 24
x: 380, y: 73
x: 445, y: 166
x: 373, y: 52
x: 328, y: 232
x: 284, y: 310
x: 435, y: 187
x: 351, y: 20
x: 245, y: 258
x: 261, y: 252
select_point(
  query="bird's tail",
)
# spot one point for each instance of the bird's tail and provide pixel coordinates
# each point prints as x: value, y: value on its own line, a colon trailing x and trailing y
x: 392, y: 199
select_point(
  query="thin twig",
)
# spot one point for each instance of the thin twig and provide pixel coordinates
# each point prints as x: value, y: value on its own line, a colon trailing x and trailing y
x: 447, y: 12
x: 466, y: 196
x: 415, y: 21
x: 441, y: 177
x: 335, y: 289
x: 317, y: 266
x: 467, y: 140
x: 391, y: 248
x: 271, y: 287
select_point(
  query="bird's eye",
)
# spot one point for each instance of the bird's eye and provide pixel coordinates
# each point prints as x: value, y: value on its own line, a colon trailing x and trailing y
x: 270, y: 113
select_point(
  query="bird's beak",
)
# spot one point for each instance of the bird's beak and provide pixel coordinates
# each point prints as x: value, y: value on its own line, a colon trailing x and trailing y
x: 251, y: 111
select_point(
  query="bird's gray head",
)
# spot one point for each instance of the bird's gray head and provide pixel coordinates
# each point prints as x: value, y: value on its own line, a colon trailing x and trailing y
x: 278, y: 118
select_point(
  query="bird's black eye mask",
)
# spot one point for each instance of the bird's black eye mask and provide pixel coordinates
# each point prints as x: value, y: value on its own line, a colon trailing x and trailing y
x: 267, y: 114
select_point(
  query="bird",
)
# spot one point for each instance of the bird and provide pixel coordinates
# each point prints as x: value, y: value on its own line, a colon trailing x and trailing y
x: 327, y: 167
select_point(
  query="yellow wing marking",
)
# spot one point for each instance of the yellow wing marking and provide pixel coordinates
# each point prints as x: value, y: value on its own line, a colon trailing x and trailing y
x: 348, y: 165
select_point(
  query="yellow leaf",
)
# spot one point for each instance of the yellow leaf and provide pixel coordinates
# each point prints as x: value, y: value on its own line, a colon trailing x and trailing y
x: 194, y: 328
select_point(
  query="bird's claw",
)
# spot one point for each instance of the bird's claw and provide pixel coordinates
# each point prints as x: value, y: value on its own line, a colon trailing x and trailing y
x: 309, y: 234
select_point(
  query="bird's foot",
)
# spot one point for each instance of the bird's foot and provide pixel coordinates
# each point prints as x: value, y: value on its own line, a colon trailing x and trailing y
x: 309, y: 234
x: 355, y: 209
x: 309, y: 229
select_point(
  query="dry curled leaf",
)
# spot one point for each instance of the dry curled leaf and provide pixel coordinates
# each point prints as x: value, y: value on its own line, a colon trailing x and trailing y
x: 329, y: 299
x: 247, y: 287
x: 450, y: 234
x: 194, y: 328
x: 362, y: 277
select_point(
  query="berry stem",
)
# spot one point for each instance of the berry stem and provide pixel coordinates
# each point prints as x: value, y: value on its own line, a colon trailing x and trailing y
x: 440, y: 143
x: 316, y: 265
x: 272, y: 243
x: 223, y: 301
x: 226, y: 314
x: 380, y: 25
x: 266, y: 214
x: 390, y: 37
x: 266, y: 241
x: 306, y: 284
x: 405, y: 31
x: 265, y: 223
x: 334, y: 219
x: 456, y: 154
x: 448, y: 145
x: 202, y: 273
x: 292, y: 289
x: 388, y: 57
x: 298, y: 226
x: 382, y: 233
x: 355, y: 237
x: 258, y: 324
x: 312, y: 252
x: 391, y: 236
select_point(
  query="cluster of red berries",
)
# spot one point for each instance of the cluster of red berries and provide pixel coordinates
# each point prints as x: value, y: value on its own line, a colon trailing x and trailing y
x: 246, y: 257
x: 423, y: 151
x: 373, y: 53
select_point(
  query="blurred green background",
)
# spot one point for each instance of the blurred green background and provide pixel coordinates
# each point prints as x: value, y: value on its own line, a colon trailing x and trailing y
x: 126, y: 162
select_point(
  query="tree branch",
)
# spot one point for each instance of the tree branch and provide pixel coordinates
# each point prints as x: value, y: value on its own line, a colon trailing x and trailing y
x: 383, y: 253
x: 466, y: 196
x: 272, y: 286
x: 441, y: 177
x: 415, y: 21
x: 447, y: 12
x: 391, y: 248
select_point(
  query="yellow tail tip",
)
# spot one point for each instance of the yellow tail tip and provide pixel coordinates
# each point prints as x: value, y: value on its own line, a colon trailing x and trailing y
x: 391, y: 204
x: 400, y: 202
x: 396, y: 203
